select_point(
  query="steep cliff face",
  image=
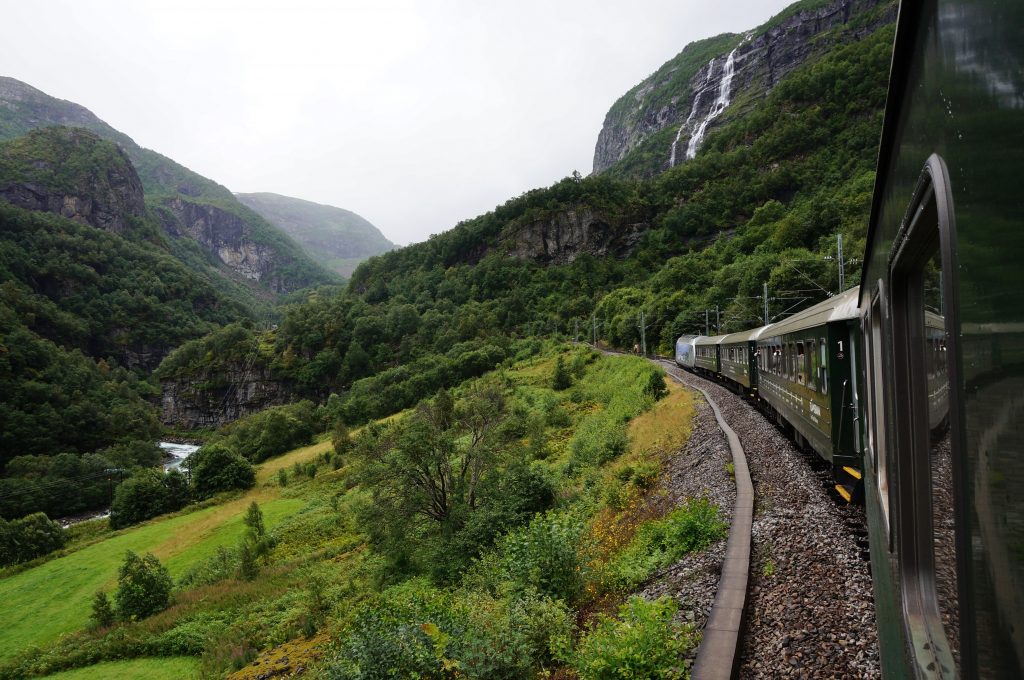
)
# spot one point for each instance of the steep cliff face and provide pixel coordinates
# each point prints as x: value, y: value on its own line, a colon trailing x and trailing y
x: 214, y: 399
x: 564, y: 236
x: 167, y: 183
x: 664, y: 120
x: 73, y: 173
x: 225, y: 235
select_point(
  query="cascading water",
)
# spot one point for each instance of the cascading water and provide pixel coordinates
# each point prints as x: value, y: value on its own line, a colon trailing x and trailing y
x: 693, y: 112
x: 724, y: 91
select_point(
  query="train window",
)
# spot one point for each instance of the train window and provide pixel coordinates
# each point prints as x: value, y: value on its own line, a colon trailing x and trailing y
x: 876, y: 410
x: 801, y: 363
x: 927, y: 519
x: 823, y: 348
x: 812, y: 372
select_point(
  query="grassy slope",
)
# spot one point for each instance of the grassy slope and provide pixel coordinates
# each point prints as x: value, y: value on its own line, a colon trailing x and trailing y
x: 54, y: 598
x: 175, y: 668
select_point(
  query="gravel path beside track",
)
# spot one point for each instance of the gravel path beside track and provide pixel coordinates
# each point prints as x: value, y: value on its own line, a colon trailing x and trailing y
x: 810, y: 612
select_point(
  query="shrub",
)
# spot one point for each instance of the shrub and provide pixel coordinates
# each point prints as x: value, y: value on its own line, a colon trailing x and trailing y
x: 146, y: 494
x: 655, y: 387
x: 641, y: 643
x: 272, y: 431
x: 143, y: 587
x: 511, y: 639
x: 402, y: 633
x: 561, y: 379
x: 600, y: 438
x: 543, y: 556
x: 217, y: 468
x: 29, y: 537
x: 658, y: 544
x: 102, y: 611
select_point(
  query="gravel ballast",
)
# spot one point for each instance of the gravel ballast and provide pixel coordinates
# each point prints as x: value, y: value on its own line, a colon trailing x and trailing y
x: 810, y: 612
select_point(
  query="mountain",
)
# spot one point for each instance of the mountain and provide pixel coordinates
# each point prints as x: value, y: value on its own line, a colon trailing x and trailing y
x: 242, y: 245
x: 663, y: 121
x: 336, y: 238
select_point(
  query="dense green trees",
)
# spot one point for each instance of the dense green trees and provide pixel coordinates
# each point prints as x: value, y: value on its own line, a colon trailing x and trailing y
x: 146, y: 494
x: 216, y: 467
x: 28, y: 537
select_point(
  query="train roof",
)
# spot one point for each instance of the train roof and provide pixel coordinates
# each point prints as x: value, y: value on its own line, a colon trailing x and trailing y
x: 744, y: 336
x: 837, y: 308
x: 686, y: 338
x: 709, y: 339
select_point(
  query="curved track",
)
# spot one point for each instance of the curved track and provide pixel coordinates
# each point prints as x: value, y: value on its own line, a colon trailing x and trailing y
x: 808, y: 609
x: 718, y: 653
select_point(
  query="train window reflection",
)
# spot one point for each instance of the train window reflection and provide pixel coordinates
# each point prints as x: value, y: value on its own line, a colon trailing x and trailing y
x: 940, y: 470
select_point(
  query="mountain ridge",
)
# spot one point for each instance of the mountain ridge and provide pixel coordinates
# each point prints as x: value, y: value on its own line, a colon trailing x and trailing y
x: 335, y: 237
x: 283, y: 266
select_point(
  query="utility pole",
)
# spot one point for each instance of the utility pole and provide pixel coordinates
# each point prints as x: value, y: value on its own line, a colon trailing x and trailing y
x: 765, y: 296
x: 575, y: 331
x: 842, y: 266
x: 643, y: 334
x: 593, y: 323
x: 706, y: 330
x: 718, y: 321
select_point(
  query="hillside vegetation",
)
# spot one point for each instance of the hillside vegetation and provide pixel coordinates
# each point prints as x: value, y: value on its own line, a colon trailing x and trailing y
x: 763, y: 202
x: 550, y: 522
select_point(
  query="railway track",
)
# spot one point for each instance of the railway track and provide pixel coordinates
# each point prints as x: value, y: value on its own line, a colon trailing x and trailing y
x: 807, y: 608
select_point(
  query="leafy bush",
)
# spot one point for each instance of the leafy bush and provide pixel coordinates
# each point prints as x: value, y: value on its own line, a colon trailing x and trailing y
x: 146, y: 494
x: 600, y: 438
x: 272, y: 431
x: 641, y: 643
x: 655, y: 387
x: 217, y: 468
x: 143, y: 587
x: 29, y: 537
x: 403, y: 633
x: 510, y: 638
x: 561, y: 379
x: 658, y: 544
x: 544, y: 556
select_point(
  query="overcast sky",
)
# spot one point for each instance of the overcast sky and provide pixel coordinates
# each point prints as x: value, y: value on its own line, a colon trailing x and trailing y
x: 415, y: 115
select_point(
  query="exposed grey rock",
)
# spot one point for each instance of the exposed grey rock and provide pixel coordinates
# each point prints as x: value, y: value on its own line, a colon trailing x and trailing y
x: 213, y: 399
x: 761, y: 60
x: 564, y: 236
x: 226, y: 236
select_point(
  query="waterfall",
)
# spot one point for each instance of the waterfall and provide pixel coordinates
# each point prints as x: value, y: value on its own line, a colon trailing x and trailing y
x: 693, y: 112
x: 724, y: 91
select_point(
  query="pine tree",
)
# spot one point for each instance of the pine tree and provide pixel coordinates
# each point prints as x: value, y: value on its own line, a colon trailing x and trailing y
x: 102, y: 611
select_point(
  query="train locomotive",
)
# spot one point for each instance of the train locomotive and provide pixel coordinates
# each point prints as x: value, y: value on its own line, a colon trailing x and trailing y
x: 912, y: 383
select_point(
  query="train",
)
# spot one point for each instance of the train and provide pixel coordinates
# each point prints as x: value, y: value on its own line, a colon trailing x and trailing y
x: 911, y: 384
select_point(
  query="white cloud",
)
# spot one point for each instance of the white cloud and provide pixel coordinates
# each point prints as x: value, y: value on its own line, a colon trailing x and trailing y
x: 414, y: 114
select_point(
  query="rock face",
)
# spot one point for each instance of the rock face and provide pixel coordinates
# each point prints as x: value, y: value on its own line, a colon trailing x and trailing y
x: 24, y: 109
x: 689, y: 93
x: 216, y: 399
x: 43, y: 171
x: 225, y: 235
x: 563, y: 237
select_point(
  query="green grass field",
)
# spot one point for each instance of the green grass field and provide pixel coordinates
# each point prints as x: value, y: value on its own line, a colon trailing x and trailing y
x: 55, y: 598
x: 173, y: 668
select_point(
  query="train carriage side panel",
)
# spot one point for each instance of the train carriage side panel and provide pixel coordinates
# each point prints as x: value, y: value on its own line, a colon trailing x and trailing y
x: 942, y: 340
x: 804, y: 373
x: 707, y: 355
